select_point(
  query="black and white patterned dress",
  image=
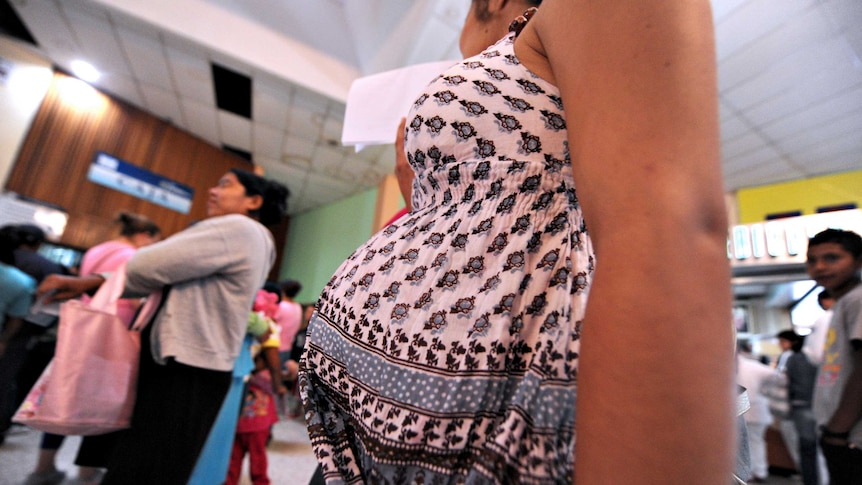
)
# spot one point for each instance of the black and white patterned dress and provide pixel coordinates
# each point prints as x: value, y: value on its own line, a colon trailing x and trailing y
x: 445, y: 349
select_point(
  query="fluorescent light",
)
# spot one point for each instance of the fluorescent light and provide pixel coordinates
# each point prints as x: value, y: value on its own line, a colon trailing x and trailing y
x: 80, y: 94
x: 85, y: 71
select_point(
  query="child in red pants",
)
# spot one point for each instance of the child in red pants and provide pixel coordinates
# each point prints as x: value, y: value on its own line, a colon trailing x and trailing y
x: 253, y: 428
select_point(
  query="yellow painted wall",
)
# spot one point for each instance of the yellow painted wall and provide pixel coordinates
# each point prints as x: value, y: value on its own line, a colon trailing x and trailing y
x: 806, y: 195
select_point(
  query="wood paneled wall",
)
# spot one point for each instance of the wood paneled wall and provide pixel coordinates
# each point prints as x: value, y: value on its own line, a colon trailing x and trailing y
x: 56, y: 154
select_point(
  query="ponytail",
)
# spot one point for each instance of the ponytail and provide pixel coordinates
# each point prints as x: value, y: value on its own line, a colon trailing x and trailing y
x: 274, y: 206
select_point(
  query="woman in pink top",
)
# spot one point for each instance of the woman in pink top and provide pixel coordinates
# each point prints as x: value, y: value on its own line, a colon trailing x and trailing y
x: 288, y: 316
x: 136, y: 231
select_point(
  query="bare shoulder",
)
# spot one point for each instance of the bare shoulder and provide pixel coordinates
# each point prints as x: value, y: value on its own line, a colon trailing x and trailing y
x: 541, y: 36
x: 531, y: 53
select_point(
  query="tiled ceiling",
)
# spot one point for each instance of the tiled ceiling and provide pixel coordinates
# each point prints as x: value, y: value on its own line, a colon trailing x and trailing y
x: 790, y: 77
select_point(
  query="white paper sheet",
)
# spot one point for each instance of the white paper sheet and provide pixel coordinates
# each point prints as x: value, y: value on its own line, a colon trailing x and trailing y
x: 376, y: 104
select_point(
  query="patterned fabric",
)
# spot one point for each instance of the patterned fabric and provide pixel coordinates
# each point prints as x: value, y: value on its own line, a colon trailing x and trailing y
x: 445, y: 349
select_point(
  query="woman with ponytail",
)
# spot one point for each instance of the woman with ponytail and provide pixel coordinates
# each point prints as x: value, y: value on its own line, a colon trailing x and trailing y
x: 213, y: 269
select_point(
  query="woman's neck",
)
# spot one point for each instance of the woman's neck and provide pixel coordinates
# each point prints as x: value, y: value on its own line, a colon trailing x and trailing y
x: 125, y: 240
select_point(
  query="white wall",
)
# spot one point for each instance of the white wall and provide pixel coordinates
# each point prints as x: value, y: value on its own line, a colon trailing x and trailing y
x: 28, y: 76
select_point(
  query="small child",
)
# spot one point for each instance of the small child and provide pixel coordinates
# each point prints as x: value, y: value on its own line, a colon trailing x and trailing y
x: 253, y: 428
x: 258, y: 413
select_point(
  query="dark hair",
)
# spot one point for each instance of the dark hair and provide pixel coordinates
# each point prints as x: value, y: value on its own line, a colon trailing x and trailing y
x: 9, y: 242
x: 274, y: 195
x: 30, y: 234
x: 272, y: 287
x: 482, y: 13
x: 132, y: 224
x: 290, y: 288
x: 794, y: 338
x: 849, y: 240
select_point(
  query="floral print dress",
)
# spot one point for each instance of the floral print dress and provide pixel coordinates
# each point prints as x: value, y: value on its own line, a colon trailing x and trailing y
x: 445, y: 349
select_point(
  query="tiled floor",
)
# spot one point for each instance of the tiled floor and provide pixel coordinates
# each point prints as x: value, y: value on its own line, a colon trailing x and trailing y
x: 290, y: 459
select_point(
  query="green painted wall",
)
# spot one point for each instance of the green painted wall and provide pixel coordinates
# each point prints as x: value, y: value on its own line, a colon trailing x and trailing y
x: 320, y: 240
x: 805, y: 195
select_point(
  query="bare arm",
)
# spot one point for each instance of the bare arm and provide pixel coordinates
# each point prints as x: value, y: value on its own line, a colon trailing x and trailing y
x: 63, y: 287
x: 403, y: 170
x: 273, y: 364
x: 638, y: 83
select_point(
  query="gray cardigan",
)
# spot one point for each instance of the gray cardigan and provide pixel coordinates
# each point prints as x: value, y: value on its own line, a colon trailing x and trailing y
x: 215, y: 268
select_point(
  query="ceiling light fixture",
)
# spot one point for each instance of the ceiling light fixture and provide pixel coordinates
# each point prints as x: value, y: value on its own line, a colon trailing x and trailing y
x: 85, y: 71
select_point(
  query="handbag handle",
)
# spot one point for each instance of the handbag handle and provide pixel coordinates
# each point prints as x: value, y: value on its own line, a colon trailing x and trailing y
x: 152, y: 304
x: 106, y: 297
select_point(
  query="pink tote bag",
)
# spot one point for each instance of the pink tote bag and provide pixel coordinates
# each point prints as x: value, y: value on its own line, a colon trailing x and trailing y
x: 89, y: 386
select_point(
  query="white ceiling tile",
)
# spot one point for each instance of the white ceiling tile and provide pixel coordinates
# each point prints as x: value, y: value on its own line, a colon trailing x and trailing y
x: 163, y: 103
x: 370, y: 153
x: 267, y: 141
x: 327, y: 160
x: 192, y: 75
x: 97, y: 38
x: 296, y: 163
x: 337, y: 110
x: 201, y: 120
x: 386, y: 160
x: 848, y: 15
x: 123, y: 21
x: 353, y: 168
x: 332, y: 128
x: 819, y: 133
x: 296, y: 175
x: 782, y: 76
x: 777, y: 171
x: 324, y: 184
x: 807, y: 93
x: 747, y: 143
x: 760, y: 178
x: 734, y: 127
x: 772, y: 47
x: 235, y: 130
x: 371, y: 179
x: 429, y: 45
x: 815, y: 115
x: 292, y: 178
x: 175, y: 41
x: 725, y: 111
x: 841, y: 162
x: 298, y: 148
x: 308, y: 101
x: 86, y: 8
x: 304, y: 124
x: 123, y: 88
x: 826, y: 148
x: 270, y: 105
x: 723, y: 8
x: 48, y: 25
x: 753, y: 20
x: 762, y: 156
x: 147, y: 58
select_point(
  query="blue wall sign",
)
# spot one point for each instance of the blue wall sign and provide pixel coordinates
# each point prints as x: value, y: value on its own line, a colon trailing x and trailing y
x: 119, y: 175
